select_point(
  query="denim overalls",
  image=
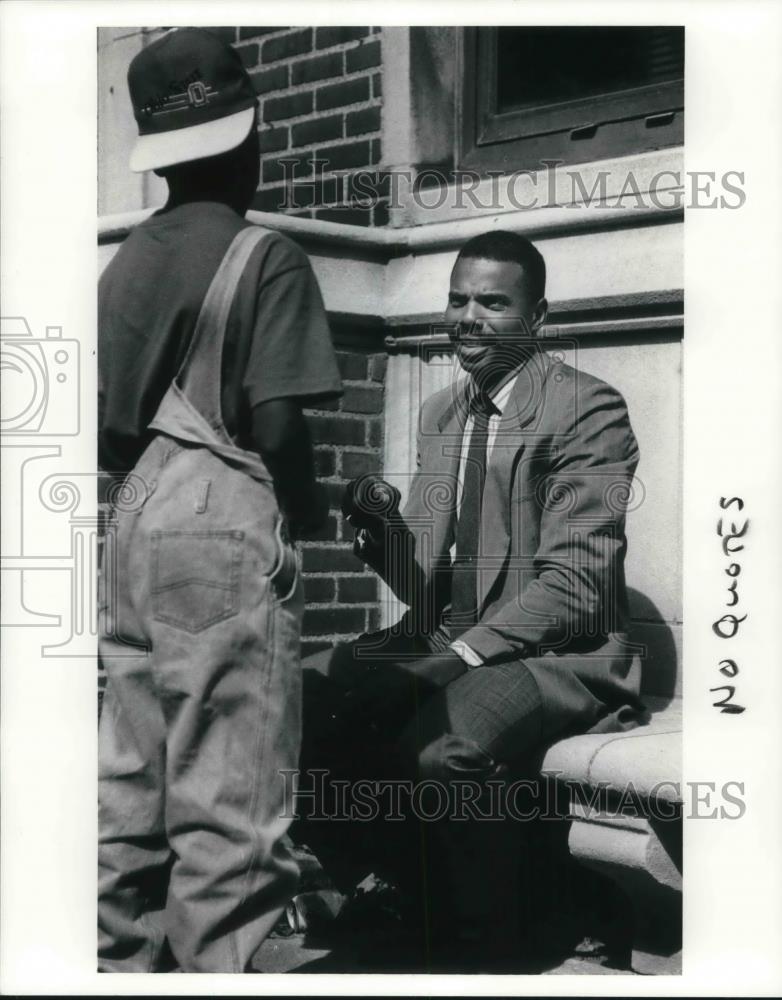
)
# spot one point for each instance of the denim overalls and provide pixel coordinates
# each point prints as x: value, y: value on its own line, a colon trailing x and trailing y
x: 200, y: 624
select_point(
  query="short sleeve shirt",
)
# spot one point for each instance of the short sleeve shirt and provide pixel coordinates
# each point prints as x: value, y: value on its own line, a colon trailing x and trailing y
x: 277, y: 341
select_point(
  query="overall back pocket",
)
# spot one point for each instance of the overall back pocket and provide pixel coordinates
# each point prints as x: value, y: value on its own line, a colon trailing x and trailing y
x: 195, y: 577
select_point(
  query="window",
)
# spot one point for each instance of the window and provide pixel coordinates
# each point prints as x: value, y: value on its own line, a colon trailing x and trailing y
x: 569, y: 93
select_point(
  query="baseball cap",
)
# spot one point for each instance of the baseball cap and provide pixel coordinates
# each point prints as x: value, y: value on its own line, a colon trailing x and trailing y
x: 191, y: 97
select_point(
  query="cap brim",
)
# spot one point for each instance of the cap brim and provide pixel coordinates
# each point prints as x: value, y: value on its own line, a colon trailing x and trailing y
x: 164, y: 149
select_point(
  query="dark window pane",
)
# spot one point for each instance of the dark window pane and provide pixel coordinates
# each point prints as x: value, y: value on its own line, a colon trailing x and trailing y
x: 537, y: 67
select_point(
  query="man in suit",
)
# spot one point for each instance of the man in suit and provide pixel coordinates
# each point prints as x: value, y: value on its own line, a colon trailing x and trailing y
x: 509, y: 556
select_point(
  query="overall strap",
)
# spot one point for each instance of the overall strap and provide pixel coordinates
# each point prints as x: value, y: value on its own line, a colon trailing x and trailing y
x: 198, y: 377
x: 191, y: 408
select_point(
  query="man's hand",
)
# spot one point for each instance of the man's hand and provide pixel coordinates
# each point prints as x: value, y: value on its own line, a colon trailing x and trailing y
x: 370, y: 503
x: 396, y: 689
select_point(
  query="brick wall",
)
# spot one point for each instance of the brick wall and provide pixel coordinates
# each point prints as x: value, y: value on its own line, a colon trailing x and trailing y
x: 320, y: 92
x: 341, y: 596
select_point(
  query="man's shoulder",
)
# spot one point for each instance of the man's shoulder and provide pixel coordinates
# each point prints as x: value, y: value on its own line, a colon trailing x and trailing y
x: 581, y: 405
x: 565, y: 383
x: 281, y: 249
x: 440, y: 403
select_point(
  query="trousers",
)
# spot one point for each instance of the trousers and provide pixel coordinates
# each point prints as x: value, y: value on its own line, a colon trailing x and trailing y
x: 200, y: 617
x: 462, y: 874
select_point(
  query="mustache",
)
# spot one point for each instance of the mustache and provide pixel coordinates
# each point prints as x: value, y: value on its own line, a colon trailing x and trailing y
x: 480, y: 333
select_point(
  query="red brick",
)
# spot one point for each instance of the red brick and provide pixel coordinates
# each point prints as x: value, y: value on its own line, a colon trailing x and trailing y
x: 373, y: 623
x: 335, y: 493
x: 318, y: 68
x: 378, y: 364
x: 349, y: 154
x: 315, y: 192
x: 284, y: 46
x: 337, y: 95
x: 375, y: 154
x: 325, y: 462
x: 256, y: 32
x: 337, y: 430
x: 275, y: 108
x: 377, y: 85
x: 266, y: 80
x: 330, y: 559
x: 360, y: 400
x: 249, y: 55
x: 318, y: 130
x: 273, y: 140
x: 325, y: 37
x: 330, y: 405
x: 347, y: 216
x: 271, y: 200
x: 375, y: 438
x: 327, y: 532
x: 355, y: 464
x: 333, y: 621
x: 320, y: 589
x: 357, y: 589
x: 352, y: 366
x: 364, y: 56
x: 285, y: 168
x: 361, y: 122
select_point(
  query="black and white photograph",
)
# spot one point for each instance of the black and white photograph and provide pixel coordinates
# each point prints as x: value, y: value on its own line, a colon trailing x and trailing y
x: 411, y: 473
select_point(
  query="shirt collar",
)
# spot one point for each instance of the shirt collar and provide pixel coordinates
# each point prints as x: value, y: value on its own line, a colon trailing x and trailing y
x: 500, y: 394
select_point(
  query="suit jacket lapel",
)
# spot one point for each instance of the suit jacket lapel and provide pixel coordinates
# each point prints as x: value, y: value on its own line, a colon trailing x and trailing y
x: 441, y: 468
x: 521, y: 410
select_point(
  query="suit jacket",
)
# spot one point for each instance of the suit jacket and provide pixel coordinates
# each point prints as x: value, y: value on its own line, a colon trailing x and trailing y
x: 552, y: 543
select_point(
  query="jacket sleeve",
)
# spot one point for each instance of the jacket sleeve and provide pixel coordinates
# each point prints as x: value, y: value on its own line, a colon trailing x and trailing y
x: 396, y: 557
x: 567, y: 587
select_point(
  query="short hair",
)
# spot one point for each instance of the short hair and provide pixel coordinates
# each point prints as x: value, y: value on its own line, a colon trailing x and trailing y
x: 502, y: 245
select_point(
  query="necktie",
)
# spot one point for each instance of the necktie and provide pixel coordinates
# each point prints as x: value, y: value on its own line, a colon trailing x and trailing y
x: 464, y: 582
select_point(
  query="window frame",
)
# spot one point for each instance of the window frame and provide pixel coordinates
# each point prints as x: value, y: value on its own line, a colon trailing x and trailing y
x: 634, y: 120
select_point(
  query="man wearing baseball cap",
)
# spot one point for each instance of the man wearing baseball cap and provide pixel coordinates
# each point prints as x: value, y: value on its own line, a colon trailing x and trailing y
x: 212, y: 335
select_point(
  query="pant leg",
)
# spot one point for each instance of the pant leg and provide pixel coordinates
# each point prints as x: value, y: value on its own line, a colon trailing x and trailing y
x: 133, y: 852
x: 468, y: 733
x: 336, y: 750
x: 223, y: 611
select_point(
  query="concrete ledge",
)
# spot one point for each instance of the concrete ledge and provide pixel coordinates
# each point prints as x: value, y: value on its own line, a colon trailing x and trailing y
x: 627, y: 842
x: 644, y: 860
x: 559, y: 220
x: 641, y: 854
x: 649, y: 757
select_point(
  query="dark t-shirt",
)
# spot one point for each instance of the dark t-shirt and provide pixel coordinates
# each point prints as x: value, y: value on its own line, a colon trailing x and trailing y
x: 277, y: 341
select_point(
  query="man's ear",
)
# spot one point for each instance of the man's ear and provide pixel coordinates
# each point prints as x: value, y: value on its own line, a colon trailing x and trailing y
x: 539, y: 314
